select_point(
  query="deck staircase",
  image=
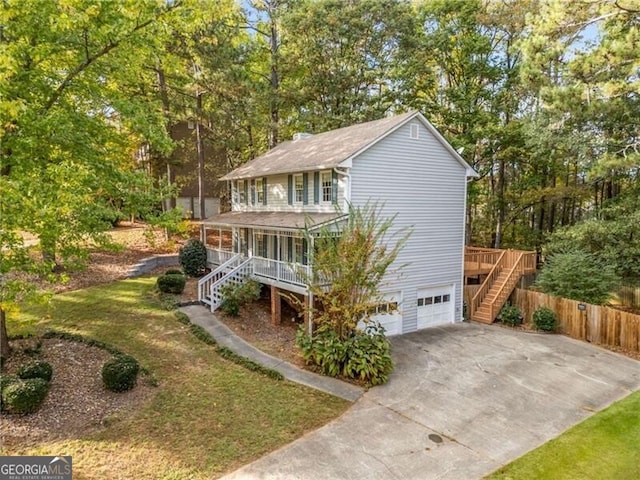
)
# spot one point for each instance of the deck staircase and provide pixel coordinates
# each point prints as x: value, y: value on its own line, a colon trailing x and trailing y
x: 234, y: 271
x: 500, y: 282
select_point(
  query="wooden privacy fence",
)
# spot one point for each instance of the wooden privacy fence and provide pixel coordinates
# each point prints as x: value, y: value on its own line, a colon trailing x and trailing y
x: 629, y: 296
x: 595, y: 324
x: 592, y: 323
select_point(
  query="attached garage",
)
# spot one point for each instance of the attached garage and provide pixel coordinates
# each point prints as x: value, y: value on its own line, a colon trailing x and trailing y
x: 388, y: 314
x: 436, y: 306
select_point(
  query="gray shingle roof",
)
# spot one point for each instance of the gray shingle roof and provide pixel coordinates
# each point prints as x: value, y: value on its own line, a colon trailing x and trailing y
x: 317, y: 152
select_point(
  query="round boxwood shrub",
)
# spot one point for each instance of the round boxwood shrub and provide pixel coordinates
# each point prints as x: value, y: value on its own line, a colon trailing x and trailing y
x: 36, y: 369
x: 545, y: 319
x: 24, y: 396
x: 171, y: 283
x: 120, y: 373
x: 193, y: 257
x: 173, y: 271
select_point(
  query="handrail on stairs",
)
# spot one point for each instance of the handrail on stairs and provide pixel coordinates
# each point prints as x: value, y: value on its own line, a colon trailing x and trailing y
x: 497, y: 302
x: 205, y: 282
x: 479, y: 296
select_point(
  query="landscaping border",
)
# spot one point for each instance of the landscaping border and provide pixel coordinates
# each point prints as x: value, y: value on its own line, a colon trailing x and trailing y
x: 149, y: 264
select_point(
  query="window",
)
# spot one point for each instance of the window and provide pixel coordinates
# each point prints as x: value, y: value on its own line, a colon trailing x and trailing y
x: 260, y: 191
x: 327, y: 186
x: 437, y: 299
x: 298, y: 184
x: 241, y: 191
x: 423, y: 302
x: 446, y: 298
x: 298, y: 245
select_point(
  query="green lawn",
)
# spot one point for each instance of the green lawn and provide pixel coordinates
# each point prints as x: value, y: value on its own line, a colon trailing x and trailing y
x: 206, y: 417
x: 605, y: 446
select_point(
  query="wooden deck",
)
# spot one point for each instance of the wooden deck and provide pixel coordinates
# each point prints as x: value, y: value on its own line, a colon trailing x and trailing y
x: 503, y: 270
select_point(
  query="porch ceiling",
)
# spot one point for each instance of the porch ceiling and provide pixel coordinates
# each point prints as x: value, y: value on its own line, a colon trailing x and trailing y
x: 275, y: 220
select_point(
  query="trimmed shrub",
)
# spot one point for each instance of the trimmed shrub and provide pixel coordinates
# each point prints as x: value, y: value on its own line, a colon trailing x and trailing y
x: 37, y: 369
x: 545, y: 319
x: 173, y: 271
x: 510, y: 315
x: 24, y: 396
x: 193, y: 258
x: 364, y: 356
x: 120, y: 373
x: 171, y: 283
x: 5, y: 381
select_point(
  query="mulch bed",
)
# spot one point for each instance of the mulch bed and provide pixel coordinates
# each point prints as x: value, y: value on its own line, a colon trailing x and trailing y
x: 77, y: 402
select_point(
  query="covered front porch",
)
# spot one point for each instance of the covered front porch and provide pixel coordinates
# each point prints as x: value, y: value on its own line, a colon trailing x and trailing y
x: 274, y: 241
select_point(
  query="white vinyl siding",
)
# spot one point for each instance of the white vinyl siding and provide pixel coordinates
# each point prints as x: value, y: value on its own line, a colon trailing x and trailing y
x: 277, y: 201
x: 420, y: 181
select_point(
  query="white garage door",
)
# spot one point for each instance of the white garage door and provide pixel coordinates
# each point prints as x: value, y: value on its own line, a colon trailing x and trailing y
x: 391, y: 321
x: 435, y: 306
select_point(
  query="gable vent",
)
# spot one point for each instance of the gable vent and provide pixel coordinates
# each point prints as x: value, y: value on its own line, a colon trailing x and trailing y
x: 415, y: 130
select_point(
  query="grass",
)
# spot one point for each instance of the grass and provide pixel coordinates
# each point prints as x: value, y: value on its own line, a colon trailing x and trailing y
x: 208, y: 415
x: 605, y: 446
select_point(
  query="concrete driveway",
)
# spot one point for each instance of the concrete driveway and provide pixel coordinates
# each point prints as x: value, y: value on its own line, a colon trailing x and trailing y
x: 463, y: 400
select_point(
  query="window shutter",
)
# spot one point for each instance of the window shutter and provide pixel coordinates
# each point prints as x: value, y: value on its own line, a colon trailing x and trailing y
x: 305, y: 188
x: 246, y: 192
x: 290, y: 249
x: 290, y: 190
x: 334, y: 187
x: 264, y: 191
x: 316, y: 187
x: 253, y: 191
x: 305, y: 257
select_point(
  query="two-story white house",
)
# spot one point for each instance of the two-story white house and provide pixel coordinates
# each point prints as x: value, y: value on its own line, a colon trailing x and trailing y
x: 400, y: 162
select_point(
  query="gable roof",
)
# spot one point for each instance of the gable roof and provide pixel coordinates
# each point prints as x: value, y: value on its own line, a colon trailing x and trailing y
x: 329, y: 149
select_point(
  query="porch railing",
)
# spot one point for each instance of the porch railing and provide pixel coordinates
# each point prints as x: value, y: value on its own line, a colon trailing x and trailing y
x: 236, y: 276
x: 218, y: 257
x: 204, y: 284
x: 285, y: 272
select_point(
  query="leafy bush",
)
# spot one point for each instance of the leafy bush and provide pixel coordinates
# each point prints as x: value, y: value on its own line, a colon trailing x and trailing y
x: 578, y: 276
x: 234, y: 296
x: 171, y: 283
x: 37, y: 369
x: 364, y: 356
x: 545, y: 319
x: 193, y: 257
x: 6, y: 380
x: 510, y: 315
x: 120, y: 373
x: 24, y: 396
x: 173, y: 271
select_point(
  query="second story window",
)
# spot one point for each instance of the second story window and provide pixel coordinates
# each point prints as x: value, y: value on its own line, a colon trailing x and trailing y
x: 242, y: 191
x: 298, y: 183
x: 259, y: 191
x: 327, y: 186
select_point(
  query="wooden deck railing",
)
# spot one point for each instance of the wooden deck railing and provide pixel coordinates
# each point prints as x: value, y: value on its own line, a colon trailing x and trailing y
x: 503, y: 269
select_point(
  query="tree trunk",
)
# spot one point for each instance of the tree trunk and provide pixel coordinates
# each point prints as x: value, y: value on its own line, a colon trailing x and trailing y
x: 274, y: 108
x: 200, y: 147
x: 500, y: 215
x: 4, y: 338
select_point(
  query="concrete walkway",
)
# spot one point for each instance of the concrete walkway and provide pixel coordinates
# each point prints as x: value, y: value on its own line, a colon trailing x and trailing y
x: 463, y: 400
x: 225, y: 337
